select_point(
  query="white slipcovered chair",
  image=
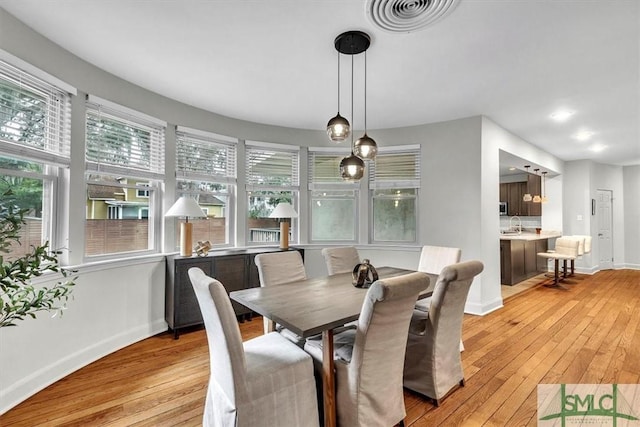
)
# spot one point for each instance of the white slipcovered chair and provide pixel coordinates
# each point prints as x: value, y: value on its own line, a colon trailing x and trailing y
x: 432, y: 260
x: 369, y: 359
x: 566, y: 250
x: 276, y: 268
x: 267, y: 381
x: 341, y: 259
x: 432, y: 364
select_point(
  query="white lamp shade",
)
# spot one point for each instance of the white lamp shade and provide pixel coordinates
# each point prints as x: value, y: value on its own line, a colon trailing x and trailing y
x: 284, y: 210
x: 186, y: 207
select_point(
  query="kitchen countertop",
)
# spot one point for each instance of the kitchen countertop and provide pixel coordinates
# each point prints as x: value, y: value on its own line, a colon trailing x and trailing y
x: 525, y: 235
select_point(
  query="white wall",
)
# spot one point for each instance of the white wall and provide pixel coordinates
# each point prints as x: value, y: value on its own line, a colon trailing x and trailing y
x: 113, y: 306
x: 608, y: 177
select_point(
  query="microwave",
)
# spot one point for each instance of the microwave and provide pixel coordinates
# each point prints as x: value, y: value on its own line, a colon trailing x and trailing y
x: 503, y: 208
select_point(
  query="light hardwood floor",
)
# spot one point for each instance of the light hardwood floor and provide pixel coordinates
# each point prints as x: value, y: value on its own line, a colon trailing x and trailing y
x: 588, y: 333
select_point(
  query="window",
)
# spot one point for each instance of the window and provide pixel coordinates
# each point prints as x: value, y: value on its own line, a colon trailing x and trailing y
x: 333, y: 201
x: 394, y: 181
x: 272, y: 178
x: 34, y: 147
x: 125, y: 166
x: 206, y: 171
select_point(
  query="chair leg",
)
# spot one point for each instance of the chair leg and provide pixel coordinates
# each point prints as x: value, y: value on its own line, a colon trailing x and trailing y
x: 462, y: 382
x: 401, y: 423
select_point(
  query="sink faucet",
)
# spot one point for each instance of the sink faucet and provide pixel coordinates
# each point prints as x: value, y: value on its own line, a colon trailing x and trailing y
x: 519, y: 223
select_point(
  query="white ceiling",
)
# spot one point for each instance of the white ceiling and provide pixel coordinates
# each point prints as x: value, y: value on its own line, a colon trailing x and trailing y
x: 273, y: 62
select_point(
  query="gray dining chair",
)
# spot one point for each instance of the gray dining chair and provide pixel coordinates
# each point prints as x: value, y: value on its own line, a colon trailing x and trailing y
x: 276, y: 268
x: 341, y: 259
x: 369, y: 359
x: 265, y: 381
x: 432, y: 365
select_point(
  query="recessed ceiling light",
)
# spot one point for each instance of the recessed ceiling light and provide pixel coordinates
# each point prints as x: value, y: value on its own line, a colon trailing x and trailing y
x: 562, y: 115
x: 583, y: 135
x: 596, y: 148
x: 512, y: 168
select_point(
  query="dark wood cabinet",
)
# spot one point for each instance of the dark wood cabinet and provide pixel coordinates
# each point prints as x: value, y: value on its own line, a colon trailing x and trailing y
x: 513, y: 193
x: 519, y: 260
x: 235, y: 269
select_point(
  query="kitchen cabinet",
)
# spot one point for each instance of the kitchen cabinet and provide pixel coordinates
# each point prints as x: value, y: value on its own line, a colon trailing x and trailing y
x: 513, y: 193
x: 519, y: 259
x: 235, y: 269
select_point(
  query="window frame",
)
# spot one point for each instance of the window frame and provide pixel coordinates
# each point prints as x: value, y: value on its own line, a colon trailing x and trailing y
x: 324, y: 182
x: 388, y: 181
x: 256, y: 149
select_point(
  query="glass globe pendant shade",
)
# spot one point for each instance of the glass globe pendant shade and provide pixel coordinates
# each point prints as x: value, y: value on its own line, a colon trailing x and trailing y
x: 365, y: 148
x: 352, y: 168
x: 527, y: 198
x: 338, y: 128
x: 537, y: 199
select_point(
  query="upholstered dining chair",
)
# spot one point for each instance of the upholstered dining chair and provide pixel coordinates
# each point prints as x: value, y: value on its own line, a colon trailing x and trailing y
x: 432, y: 365
x: 341, y: 259
x: 369, y: 359
x: 432, y: 260
x: 275, y: 268
x: 267, y: 381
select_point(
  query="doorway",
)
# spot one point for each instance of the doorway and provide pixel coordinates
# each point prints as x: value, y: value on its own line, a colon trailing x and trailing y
x: 605, y: 225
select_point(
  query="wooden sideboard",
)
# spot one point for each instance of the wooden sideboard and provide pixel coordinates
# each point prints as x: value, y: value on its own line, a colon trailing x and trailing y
x: 234, y: 268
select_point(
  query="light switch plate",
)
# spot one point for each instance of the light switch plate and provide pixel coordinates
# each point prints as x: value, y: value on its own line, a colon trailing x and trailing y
x: 579, y: 218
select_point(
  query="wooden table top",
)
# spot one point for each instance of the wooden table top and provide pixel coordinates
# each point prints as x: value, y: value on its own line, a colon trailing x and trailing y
x: 311, y: 306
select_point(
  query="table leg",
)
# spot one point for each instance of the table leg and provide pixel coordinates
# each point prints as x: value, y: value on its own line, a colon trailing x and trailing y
x: 328, y: 379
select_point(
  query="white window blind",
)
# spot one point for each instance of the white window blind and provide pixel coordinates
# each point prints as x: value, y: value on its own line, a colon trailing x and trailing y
x: 205, y: 158
x: 34, y: 118
x: 396, y: 167
x: 270, y: 167
x: 324, y: 170
x: 121, y: 143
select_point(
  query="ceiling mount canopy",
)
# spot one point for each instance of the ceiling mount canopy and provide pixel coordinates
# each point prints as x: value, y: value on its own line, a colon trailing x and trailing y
x: 365, y: 148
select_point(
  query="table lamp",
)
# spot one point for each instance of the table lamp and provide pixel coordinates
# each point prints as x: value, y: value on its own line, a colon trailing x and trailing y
x: 186, y: 207
x: 282, y: 211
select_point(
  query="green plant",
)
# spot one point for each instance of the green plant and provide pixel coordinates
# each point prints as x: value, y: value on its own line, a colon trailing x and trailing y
x: 19, y: 298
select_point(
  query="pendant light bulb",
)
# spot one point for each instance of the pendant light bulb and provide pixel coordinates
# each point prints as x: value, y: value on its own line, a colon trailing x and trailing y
x: 352, y: 168
x: 338, y: 129
x: 365, y: 148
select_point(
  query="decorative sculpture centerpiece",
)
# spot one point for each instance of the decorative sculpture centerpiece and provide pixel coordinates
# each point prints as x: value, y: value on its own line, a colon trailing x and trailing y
x: 364, y: 274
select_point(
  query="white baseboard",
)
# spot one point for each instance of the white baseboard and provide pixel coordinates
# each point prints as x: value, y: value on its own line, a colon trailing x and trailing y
x: 483, y: 309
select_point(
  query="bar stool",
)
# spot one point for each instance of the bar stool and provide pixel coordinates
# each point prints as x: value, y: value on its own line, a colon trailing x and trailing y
x: 566, y: 250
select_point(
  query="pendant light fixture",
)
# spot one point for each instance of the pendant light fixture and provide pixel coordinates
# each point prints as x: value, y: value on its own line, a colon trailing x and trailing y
x: 544, y: 193
x: 365, y: 147
x: 338, y: 127
x: 352, y: 167
x: 527, y: 196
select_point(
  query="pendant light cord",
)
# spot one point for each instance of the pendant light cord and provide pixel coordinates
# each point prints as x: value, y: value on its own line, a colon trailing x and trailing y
x: 338, y: 83
x: 352, y: 118
x: 365, y: 92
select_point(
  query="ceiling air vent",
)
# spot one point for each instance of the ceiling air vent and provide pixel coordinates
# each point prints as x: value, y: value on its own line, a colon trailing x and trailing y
x: 406, y: 16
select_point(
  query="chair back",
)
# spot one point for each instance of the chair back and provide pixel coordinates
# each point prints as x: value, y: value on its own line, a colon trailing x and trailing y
x: 341, y: 260
x: 275, y: 268
x: 226, y: 352
x: 567, y: 246
x: 434, y: 258
x: 581, y: 244
x: 378, y: 354
x: 448, y: 301
x: 587, y: 243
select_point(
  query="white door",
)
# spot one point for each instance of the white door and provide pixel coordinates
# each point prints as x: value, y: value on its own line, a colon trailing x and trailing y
x: 605, y: 222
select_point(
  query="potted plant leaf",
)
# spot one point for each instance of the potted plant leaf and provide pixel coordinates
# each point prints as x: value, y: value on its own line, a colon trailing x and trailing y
x: 19, y: 297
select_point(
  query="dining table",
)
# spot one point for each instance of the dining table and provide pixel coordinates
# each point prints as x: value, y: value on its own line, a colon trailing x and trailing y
x: 317, y: 306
